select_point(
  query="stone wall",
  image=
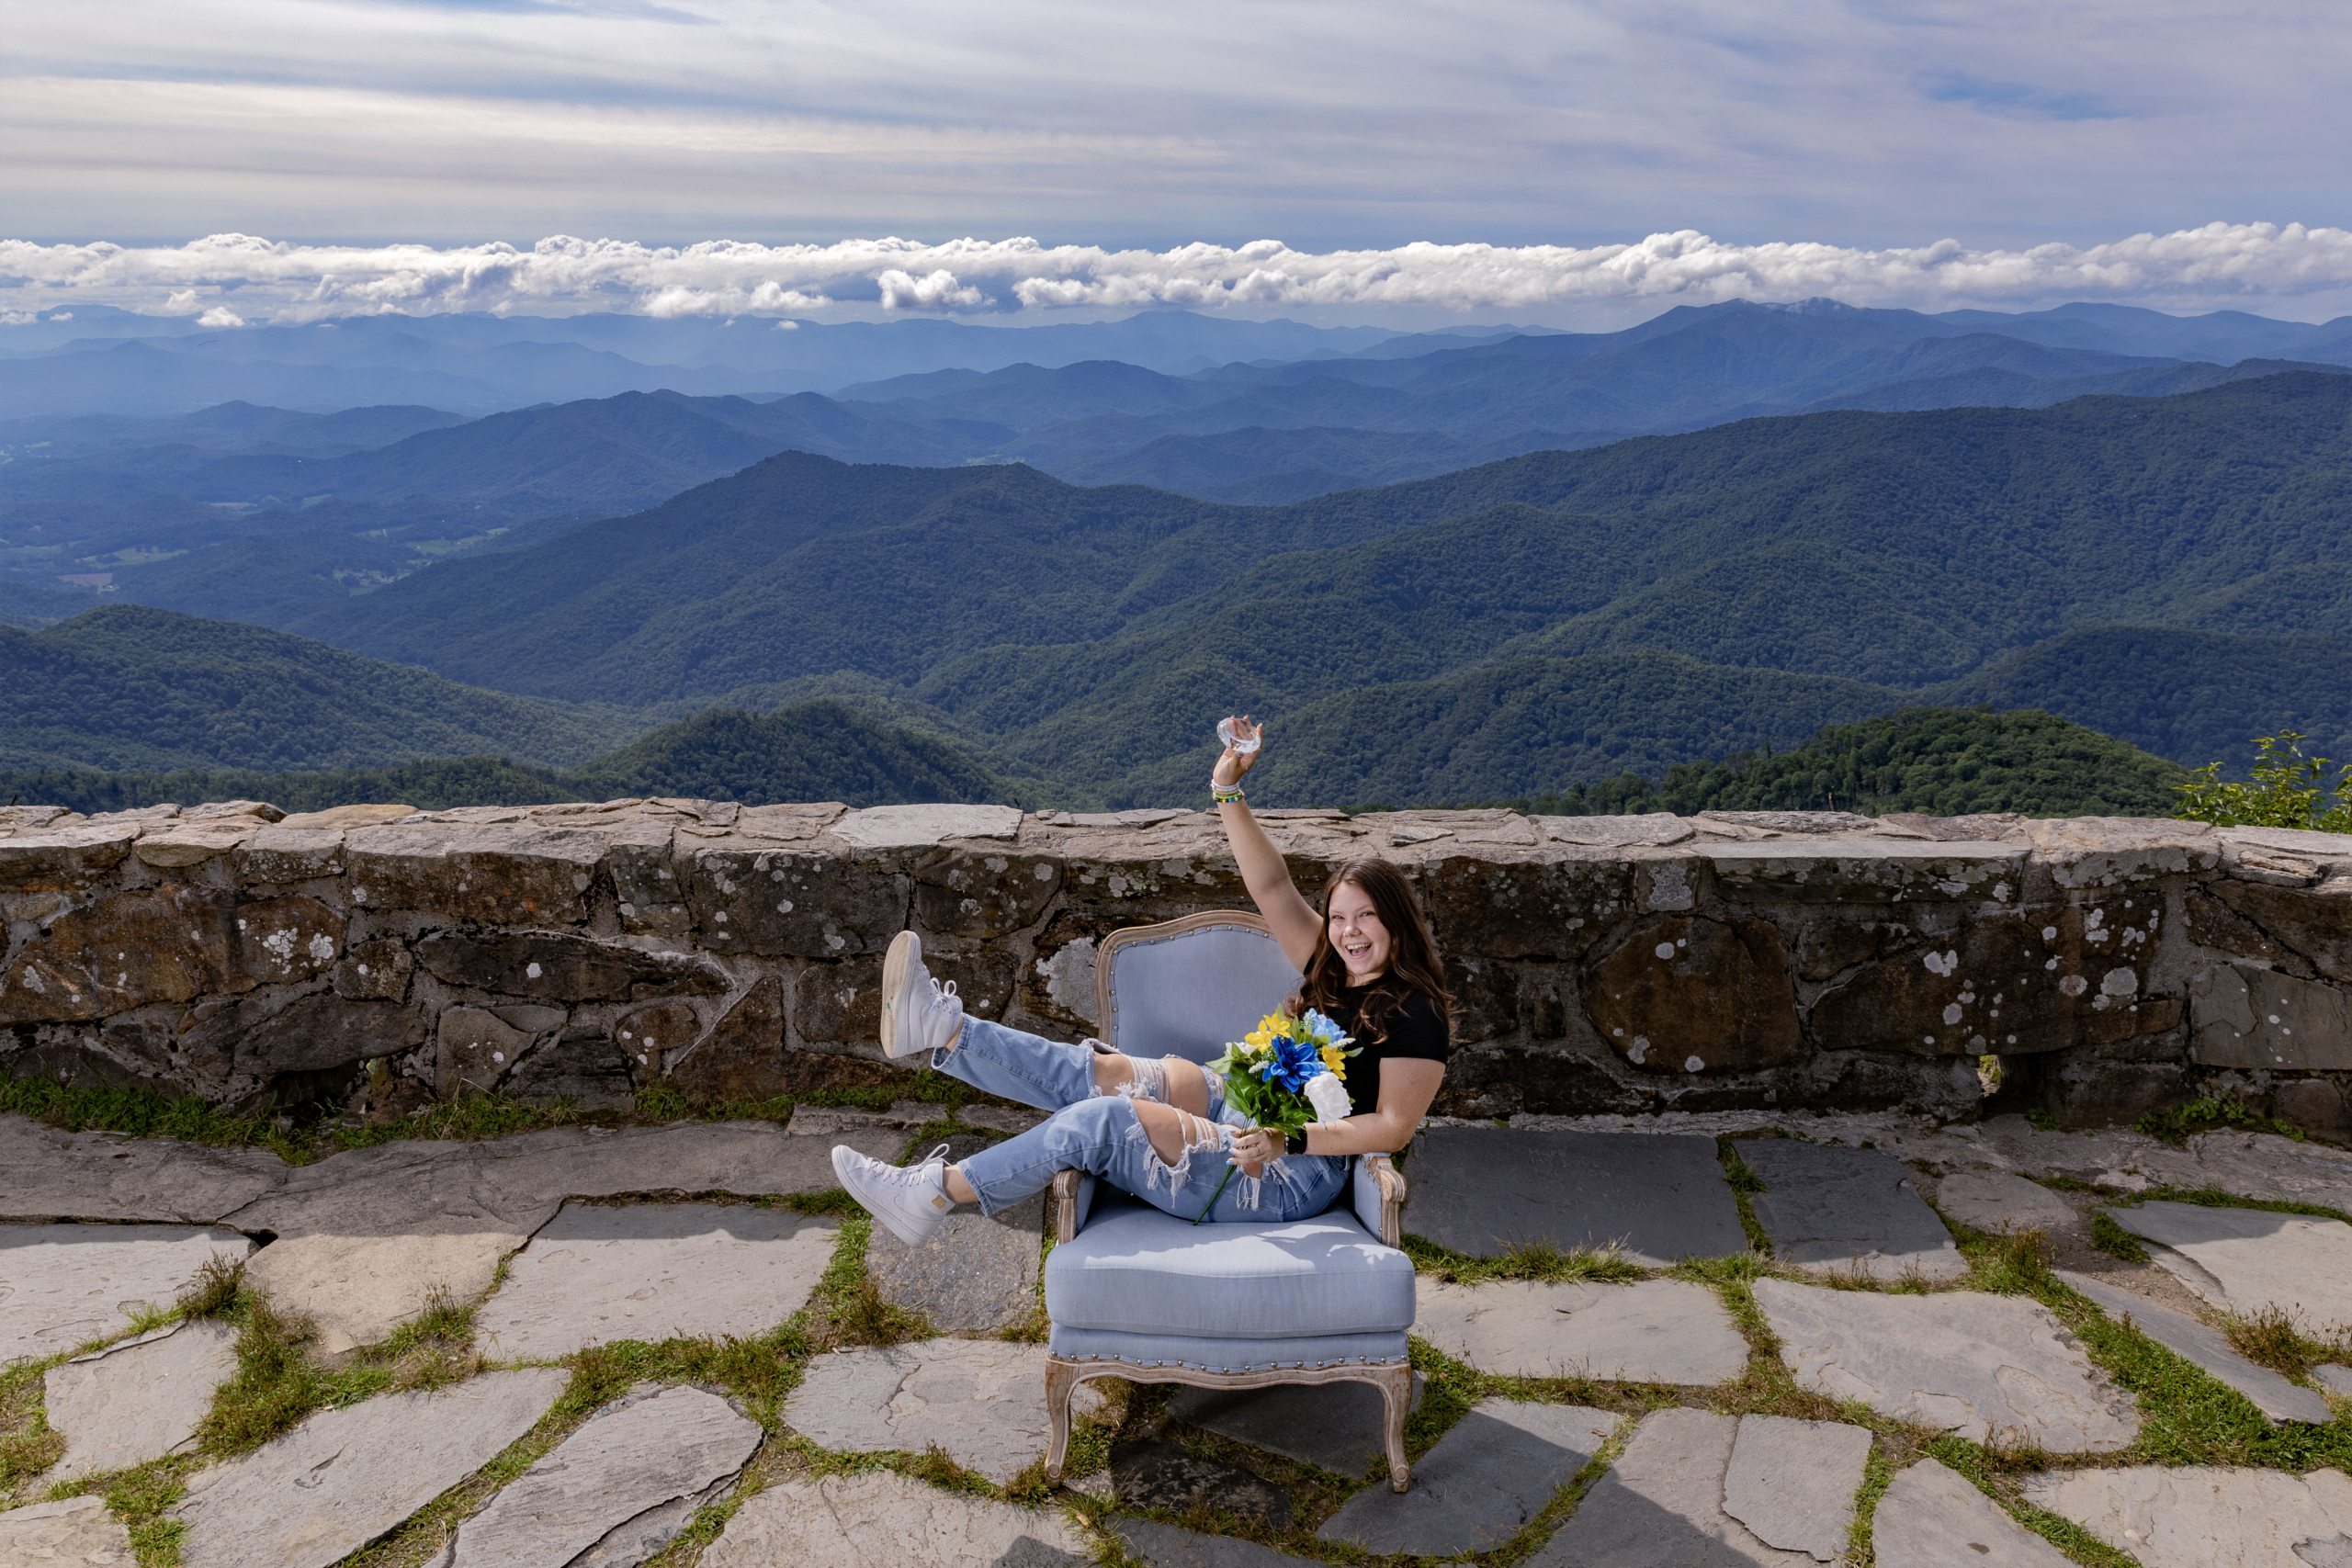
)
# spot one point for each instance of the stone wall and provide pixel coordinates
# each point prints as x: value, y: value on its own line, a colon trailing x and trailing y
x: 1600, y: 964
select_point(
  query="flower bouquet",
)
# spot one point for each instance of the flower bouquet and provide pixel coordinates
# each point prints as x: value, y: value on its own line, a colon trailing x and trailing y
x: 1287, y: 1073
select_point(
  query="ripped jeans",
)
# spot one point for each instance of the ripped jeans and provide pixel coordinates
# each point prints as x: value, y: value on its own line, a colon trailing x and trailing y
x: 1100, y: 1133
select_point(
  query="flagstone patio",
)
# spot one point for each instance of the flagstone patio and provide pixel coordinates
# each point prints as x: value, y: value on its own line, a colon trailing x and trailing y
x: 1725, y: 1339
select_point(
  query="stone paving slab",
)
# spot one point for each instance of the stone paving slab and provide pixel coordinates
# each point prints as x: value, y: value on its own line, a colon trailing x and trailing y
x: 981, y: 1401
x: 2335, y: 1378
x: 1998, y: 1201
x: 1792, y: 1484
x: 343, y: 1477
x: 1166, y: 1546
x: 1336, y: 1426
x: 977, y: 1273
x: 137, y: 1400
x: 1171, y: 1480
x: 615, y: 1490
x: 1656, y: 1331
x: 2197, y: 1517
x: 1995, y: 1370
x: 1479, y: 1487
x: 2250, y: 1260
x: 1483, y: 1190
x: 79, y: 1532
x: 1851, y: 1210
x: 364, y: 1237
x: 63, y: 1286
x: 1662, y: 1504
x: 2205, y: 1345
x: 653, y: 1272
x: 1931, y: 1517
x: 46, y: 1174
x: 879, y: 1518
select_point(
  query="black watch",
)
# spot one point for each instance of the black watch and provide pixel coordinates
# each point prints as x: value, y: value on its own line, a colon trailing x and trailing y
x: 1295, y: 1143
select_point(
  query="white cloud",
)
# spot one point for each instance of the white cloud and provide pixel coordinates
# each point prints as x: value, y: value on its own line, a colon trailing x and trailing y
x: 2277, y: 263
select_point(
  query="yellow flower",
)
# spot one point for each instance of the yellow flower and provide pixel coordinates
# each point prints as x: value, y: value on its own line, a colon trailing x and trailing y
x: 1335, y: 1061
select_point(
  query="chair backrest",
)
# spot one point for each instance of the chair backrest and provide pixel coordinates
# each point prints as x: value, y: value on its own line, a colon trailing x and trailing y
x: 1186, y: 987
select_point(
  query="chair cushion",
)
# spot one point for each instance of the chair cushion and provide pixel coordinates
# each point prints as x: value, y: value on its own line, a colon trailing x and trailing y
x: 1135, y: 1269
x: 1146, y: 1351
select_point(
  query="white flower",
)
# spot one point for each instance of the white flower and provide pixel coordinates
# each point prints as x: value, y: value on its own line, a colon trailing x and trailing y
x: 1329, y: 1096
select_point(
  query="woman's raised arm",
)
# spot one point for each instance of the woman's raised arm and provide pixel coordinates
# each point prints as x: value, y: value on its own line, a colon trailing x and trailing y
x: 1293, y: 920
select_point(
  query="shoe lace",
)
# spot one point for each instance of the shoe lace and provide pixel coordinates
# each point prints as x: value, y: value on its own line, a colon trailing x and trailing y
x: 939, y: 1152
x: 944, y: 995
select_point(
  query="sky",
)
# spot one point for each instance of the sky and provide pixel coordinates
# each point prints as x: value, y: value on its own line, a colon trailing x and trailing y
x: 1565, y: 160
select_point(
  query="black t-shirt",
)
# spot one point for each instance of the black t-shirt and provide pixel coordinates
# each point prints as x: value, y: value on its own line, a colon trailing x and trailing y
x: 1417, y: 1027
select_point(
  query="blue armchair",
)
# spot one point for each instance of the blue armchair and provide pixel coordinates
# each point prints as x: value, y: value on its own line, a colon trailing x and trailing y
x: 1137, y: 1293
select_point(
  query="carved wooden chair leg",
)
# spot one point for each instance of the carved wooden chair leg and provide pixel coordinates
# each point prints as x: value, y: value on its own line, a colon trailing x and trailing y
x: 1397, y: 1393
x: 1061, y: 1382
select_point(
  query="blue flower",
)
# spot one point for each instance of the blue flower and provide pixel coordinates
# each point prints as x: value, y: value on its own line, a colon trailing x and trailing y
x: 1291, y: 1063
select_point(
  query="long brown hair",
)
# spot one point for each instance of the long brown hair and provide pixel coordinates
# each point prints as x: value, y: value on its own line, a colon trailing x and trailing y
x: 1413, y: 963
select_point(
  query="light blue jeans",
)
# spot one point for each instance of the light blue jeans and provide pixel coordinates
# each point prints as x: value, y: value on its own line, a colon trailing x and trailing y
x: 1100, y: 1133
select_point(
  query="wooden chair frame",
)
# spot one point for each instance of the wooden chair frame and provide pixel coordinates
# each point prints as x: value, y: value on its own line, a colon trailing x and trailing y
x: 1064, y: 1373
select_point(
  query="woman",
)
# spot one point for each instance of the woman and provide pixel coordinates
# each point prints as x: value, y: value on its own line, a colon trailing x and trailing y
x: 1160, y: 1128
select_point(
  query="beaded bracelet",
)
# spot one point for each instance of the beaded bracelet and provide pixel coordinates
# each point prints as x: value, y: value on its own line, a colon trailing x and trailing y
x: 1224, y: 795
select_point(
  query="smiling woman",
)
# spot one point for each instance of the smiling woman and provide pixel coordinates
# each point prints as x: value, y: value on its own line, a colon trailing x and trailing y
x: 1166, y: 1129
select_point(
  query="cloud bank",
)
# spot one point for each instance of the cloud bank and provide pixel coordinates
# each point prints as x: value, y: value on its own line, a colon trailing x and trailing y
x: 231, y: 279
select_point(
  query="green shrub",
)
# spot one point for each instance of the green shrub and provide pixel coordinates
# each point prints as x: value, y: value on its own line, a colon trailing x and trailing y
x: 2283, y: 789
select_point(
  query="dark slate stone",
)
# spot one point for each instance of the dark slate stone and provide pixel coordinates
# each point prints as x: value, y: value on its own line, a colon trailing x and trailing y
x: 1166, y: 1546
x: 1489, y: 1476
x: 1173, y: 1481
x: 1483, y: 1190
x: 557, y: 966
x: 1838, y: 1208
x: 1333, y: 1425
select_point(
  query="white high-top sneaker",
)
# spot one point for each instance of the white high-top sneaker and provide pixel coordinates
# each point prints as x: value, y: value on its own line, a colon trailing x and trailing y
x: 918, y: 1014
x: 909, y: 1201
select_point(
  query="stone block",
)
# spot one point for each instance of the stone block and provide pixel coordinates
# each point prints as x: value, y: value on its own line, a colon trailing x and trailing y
x: 137, y: 1400
x: 289, y: 852
x: 343, y: 1477
x: 185, y: 844
x: 1998, y: 1201
x: 841, y: 1004
x: 594, y: 1275
x: 1499, y: 905
x: 79, y: 1532
x: 2251, y: 1260
x: 1665, y: 1331
x: 374, y: 971
x: 2050, y: 978
x: 741, y: 1058
x: 778, y: 903
x: 49, y: 1174
x: 1496, y: 1470
x: 616, y: 1491
x: 2203, y: 1517
x: 1661, y: 1196
x: 63, y: 858
x: 37, y: 988
x: 498, y: 874
x: 982, y: 895
x: 1792, y: 1484
x: 2241, y: 1016
x: 648, y: 1035
x: 1336, y: 1426
x: 1648, y: 828
x: 1865, y: 870
x: 878, y: 1517
x: 1684, y: 995
x: 1995, y: 1370
x: 922, y: 827
x: 474, y: 1049
x: 583, y: 1067
x: 1841, y: 1210
x: 2106, y: 852
x: 557, y: 966
x: 68, y: 1284
x: 2207, y: 1348
x: 2315, y: 1105
x: 981, y: 1401
x: 309, y: 1035
x: 2307, y: 928
x: 1931, y: 1517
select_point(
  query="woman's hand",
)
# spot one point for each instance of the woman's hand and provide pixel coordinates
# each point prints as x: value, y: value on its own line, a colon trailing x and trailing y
x: 1254, y: 1148
x: 1233, y: 764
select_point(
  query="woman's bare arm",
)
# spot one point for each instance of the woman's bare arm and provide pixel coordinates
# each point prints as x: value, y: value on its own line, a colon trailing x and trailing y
x: 1292, y: 918
x: 1408, y: 1087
